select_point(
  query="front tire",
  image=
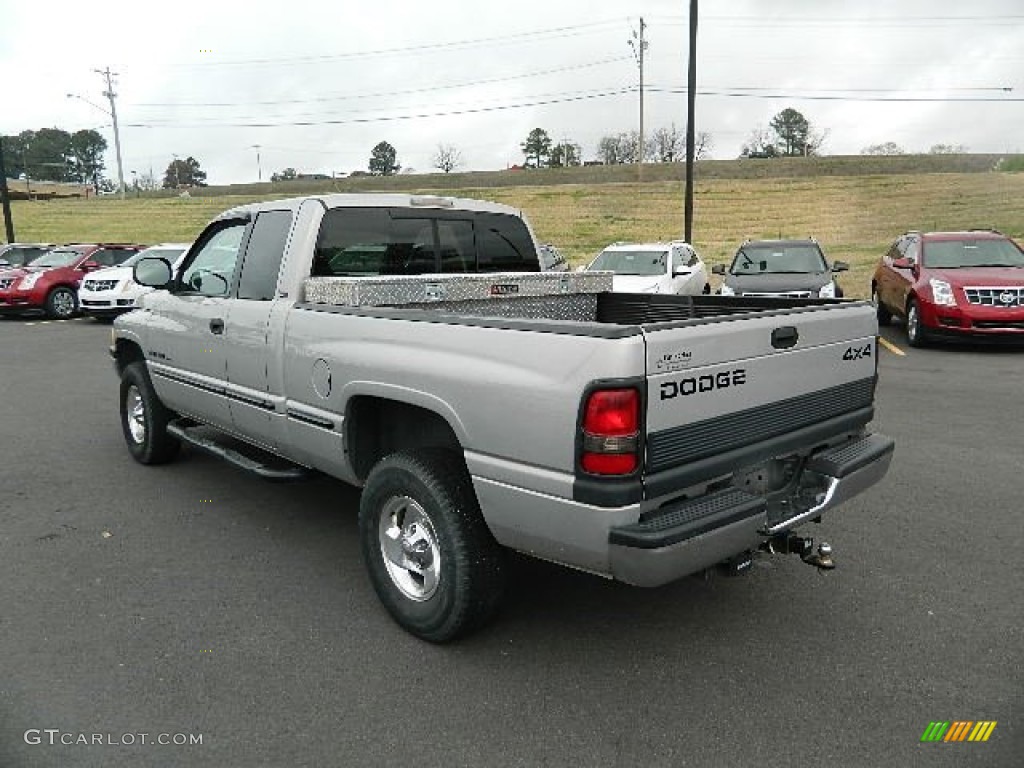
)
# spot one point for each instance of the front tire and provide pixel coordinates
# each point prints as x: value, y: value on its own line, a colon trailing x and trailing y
x: 144, y: 418
x: 61, y: 303
x: 429, y: 554
x: 916, y: 334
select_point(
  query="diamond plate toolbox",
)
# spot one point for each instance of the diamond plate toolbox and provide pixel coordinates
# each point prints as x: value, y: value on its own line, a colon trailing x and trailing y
x: 425, y: 289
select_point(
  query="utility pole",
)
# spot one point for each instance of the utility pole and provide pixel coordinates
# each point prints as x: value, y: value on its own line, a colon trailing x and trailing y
x: 639, y: 45
x: 5, y: 200
x: 259, y: 166
x: 691, y: 96
x: 109, y: 93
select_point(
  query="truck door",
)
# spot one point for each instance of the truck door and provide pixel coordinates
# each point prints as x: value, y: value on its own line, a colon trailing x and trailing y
x: 248, y: 346
x: 186, y: 349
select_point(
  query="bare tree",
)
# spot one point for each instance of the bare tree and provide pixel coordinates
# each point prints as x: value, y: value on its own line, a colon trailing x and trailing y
x: 760, y: 144
x: 148, y: 182
x: 619, y: 149
x: 702, y: 145
x: 447, y: 158
x: 667, y: 145
x: 886, y: 148
x: 947, y: 149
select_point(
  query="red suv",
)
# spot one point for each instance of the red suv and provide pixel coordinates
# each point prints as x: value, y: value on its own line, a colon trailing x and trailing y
x: 954, y: 284
x: 50, y: 282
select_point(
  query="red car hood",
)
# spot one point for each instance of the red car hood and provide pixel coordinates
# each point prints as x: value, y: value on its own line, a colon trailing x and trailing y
x: 981, y: 276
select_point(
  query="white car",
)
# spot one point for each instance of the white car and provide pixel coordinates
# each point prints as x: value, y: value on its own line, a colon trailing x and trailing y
x: 107, y: 293
x: 673, y: 267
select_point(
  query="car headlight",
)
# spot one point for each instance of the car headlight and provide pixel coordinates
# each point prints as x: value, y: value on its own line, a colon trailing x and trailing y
x: 727, y: 291
x: 29, y: 281
x: 828, y: 291
x: 942, y: 292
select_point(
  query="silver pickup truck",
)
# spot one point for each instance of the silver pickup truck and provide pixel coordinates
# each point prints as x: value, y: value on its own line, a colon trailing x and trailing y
x: 408, y: 345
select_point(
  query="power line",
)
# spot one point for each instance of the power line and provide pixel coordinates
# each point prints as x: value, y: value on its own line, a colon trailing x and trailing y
x: 406, y: 92
x: 395, y: 118
x: 544, y: 34
x: 679, y: 90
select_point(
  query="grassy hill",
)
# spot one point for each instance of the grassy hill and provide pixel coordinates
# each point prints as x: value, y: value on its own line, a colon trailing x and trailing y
x: 854, y: 206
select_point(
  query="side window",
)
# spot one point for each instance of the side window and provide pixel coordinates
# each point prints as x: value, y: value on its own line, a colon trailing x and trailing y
x: 504, y: 244
x: 211, y: 270
x: 263, y: 255
x: 896, y: 250
x: 913, y: 251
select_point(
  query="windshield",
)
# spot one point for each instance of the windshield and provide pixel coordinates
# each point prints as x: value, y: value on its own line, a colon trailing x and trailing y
x: 953, y: 254
x: 56, y: 258
x: 631, y: 262
x: 170, y: 254
x: 778, y: 259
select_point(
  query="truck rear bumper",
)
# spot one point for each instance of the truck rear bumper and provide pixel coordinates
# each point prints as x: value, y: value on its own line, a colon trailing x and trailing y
x: 687, y: 537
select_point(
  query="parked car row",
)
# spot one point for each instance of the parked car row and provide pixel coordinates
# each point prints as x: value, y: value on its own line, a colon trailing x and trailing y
x: 956, y: 284
x: 61, y: 281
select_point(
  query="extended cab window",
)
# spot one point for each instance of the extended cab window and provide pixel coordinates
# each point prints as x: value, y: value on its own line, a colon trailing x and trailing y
x: 211, y: 270
x: 263, y: 255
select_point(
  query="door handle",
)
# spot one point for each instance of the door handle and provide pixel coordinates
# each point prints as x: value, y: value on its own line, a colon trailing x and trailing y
x: 217, y: 325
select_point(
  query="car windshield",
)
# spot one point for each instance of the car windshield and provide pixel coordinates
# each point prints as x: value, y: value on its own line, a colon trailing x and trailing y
x: 56, y: 258
x: 955, y: 254
x: 631, y: 262
x: 778, y: 259
x: 16, y: 256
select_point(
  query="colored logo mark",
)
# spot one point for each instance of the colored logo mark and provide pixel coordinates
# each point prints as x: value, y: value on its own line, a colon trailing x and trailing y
x: 959, y: 730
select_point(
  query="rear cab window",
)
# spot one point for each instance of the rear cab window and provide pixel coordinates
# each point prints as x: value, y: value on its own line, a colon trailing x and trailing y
x: 356, y: 242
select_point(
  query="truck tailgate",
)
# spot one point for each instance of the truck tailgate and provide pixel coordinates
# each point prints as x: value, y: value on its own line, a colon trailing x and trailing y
x: 734, y: 387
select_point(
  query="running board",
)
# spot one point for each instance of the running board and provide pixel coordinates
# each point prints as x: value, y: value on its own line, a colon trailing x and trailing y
x: 188, y: 431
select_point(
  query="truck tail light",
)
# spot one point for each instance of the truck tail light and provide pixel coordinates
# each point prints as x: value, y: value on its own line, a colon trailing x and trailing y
x: 611, y: 432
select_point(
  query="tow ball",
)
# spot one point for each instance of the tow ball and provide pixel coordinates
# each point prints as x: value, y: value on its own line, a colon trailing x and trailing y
x: 803, y: 546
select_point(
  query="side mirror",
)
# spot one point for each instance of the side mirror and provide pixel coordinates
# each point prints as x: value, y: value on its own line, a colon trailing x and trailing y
x: 153, y: 272
x: 89, y: 266
x: 840, y: 266
x: 581, y: 268
x: 718, y: 269
x: 903, y: 263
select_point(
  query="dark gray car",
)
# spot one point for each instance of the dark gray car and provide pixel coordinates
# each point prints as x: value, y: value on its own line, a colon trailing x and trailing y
x: 786, y: 268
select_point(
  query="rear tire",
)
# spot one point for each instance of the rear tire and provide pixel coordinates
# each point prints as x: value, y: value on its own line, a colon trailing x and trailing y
x: 884, y: 315
x: 61, y: 303
x: 429, y: 554
x: 916, y: 334
x: 144, y: 418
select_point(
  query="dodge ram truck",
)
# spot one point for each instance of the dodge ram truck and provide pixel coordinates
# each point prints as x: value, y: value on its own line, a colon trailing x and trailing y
x: 409, y: 345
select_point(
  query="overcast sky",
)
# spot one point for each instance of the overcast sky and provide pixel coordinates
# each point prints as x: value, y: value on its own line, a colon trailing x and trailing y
x: 317, y: 84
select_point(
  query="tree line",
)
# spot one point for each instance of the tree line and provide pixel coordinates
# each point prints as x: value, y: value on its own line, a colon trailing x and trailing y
x: 53, y: 154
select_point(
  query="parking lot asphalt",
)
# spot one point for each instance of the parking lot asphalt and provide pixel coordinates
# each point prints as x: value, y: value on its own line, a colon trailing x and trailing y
x: 193, y: 599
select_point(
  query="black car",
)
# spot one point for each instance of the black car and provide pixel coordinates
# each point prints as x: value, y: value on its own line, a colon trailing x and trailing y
x: 786, y: 268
